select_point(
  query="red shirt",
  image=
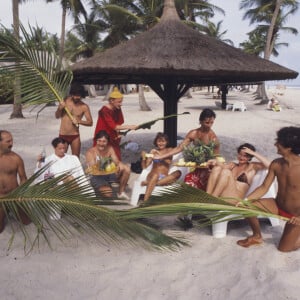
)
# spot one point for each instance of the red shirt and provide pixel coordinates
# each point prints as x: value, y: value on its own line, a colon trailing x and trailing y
x: 108, y: 119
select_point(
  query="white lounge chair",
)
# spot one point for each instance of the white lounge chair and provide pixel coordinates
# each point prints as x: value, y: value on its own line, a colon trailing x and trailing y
x: 239, y: 105
x: 219, y: 230
x: 138, y: 190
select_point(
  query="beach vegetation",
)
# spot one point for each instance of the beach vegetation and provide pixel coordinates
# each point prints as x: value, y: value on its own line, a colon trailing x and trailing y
x: 270, y: 17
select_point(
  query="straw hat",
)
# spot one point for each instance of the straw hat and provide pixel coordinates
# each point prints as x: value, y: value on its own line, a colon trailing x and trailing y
x: 115, y: 94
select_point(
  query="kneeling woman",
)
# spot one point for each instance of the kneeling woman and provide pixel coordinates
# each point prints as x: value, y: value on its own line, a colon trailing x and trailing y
x: 233, y: 180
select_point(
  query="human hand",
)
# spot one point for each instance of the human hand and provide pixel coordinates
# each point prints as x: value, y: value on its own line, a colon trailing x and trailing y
x: 248, y: 151
x: 294, y: 221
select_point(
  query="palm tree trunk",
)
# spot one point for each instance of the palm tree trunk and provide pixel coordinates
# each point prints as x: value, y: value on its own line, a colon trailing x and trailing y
x: 269, y: 46
x: 142, y: 100
x: 17, y: 106
x: 62, y: 35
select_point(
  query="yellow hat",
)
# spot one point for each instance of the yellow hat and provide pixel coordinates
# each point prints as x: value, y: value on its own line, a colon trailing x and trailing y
x: 115, y: 94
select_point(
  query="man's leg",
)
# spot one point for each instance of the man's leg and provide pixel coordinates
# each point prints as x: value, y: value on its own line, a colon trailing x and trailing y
x: 75, y: 146
x: 125, y: 173
x: 290, y: 239
x: 256, y: 237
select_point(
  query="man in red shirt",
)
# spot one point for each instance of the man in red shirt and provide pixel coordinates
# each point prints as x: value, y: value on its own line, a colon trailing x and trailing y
x: 110, y: 119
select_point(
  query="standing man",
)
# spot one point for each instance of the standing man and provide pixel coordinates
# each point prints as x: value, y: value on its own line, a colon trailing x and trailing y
x: 69, y: 128
x: 286, y: 170
x: 11, y: 167
x: 110, y: 119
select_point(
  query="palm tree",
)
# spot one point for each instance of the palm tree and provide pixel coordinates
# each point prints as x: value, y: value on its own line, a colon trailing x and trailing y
x: 273, y: 14
x: 17, y: 107
x: 214, y: 30
x: 84, y: 40
x: 76, y: 8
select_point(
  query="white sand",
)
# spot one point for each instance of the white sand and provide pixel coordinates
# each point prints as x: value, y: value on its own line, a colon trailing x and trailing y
x: 209, y: 269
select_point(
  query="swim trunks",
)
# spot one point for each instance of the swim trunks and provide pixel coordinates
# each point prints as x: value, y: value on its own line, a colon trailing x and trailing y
x: 69, y: 138
x: 102, y: 180
x: 283, y: 213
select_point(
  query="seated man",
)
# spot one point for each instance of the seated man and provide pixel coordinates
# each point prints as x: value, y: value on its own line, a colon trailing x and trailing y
x: 99, y: 154
x: 59, y: 162
x: 159, y: 174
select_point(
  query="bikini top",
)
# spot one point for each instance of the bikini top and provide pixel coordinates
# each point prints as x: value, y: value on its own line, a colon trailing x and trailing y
x: 157, y: 160
x: 242, y: 178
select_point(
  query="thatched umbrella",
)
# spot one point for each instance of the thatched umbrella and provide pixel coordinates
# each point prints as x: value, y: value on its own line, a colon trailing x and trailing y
x: 170, y: 58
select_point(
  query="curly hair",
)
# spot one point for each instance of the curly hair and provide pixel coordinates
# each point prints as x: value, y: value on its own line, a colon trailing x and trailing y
x: 289, y: 137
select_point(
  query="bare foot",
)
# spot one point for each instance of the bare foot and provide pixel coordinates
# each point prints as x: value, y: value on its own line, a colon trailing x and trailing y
x: 250, y: 241
x: 143, y: 183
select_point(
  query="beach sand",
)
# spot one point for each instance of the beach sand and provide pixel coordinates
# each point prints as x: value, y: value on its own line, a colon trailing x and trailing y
x: 209, y: 269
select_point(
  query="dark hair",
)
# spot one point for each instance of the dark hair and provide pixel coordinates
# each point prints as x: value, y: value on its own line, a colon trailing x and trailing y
x: 3, y: 131
x: 289, y: 137
x: 250, y: 146
x: 57, y: 141
x: 100, y: 134
x: 77, y: 89
x: 207, y: 113
x: 161, y: 135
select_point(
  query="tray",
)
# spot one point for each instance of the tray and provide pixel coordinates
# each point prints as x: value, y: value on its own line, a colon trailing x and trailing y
x: 95, y: 171
x: 202, y: 166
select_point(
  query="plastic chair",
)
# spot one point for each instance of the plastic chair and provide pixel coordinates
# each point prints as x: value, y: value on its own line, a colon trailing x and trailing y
x: 138, y: 190
x: 238, y: 105
x: 219, y: 230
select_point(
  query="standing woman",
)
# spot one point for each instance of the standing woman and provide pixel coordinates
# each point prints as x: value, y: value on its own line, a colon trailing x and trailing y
x: 110, y: 119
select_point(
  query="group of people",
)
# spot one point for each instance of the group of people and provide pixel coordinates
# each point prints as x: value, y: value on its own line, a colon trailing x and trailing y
x: 229, y: 180
x: 232, y: 180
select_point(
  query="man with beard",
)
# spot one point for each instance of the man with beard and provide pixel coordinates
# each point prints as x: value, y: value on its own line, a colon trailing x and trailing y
x: 69, y: 127
x: 11, y: 167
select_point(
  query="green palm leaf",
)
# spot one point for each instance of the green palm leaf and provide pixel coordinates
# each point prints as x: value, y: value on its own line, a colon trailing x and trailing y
x: 43, y: 79
x: 82, y: 212
x: 149, y: 124
x: 182, y: 199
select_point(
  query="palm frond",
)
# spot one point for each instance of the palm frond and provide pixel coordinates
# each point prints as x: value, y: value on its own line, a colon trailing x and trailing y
x: 42, y: 77
x: 82, y: 212
x: 182, y: 199
x: 149, y: 124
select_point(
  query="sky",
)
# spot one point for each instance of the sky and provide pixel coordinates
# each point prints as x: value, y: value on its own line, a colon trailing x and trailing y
x: 48, y: 16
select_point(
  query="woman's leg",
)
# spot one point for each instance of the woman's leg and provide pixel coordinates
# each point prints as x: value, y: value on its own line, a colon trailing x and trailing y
x: 152, y: 179
x: 213, y: 179
x: 170, y: 178
x: 225, y: 185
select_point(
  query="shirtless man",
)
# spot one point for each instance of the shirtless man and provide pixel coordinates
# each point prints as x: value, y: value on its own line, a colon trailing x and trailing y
x: 159, y: 174
x: 102, y: 183
x: 11, y: 166
x: 69, y: 129
x: 287, y: 202
x: 205, y: 134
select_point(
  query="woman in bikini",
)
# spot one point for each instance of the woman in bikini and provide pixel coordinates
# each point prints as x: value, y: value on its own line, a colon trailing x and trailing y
x: 159, y: 174
x: 232, y: 180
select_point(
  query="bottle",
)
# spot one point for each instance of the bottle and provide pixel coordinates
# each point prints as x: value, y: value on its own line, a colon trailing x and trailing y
x: 43, y: 154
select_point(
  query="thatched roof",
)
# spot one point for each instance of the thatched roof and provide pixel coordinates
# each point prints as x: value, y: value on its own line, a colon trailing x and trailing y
x: 173, y: 51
